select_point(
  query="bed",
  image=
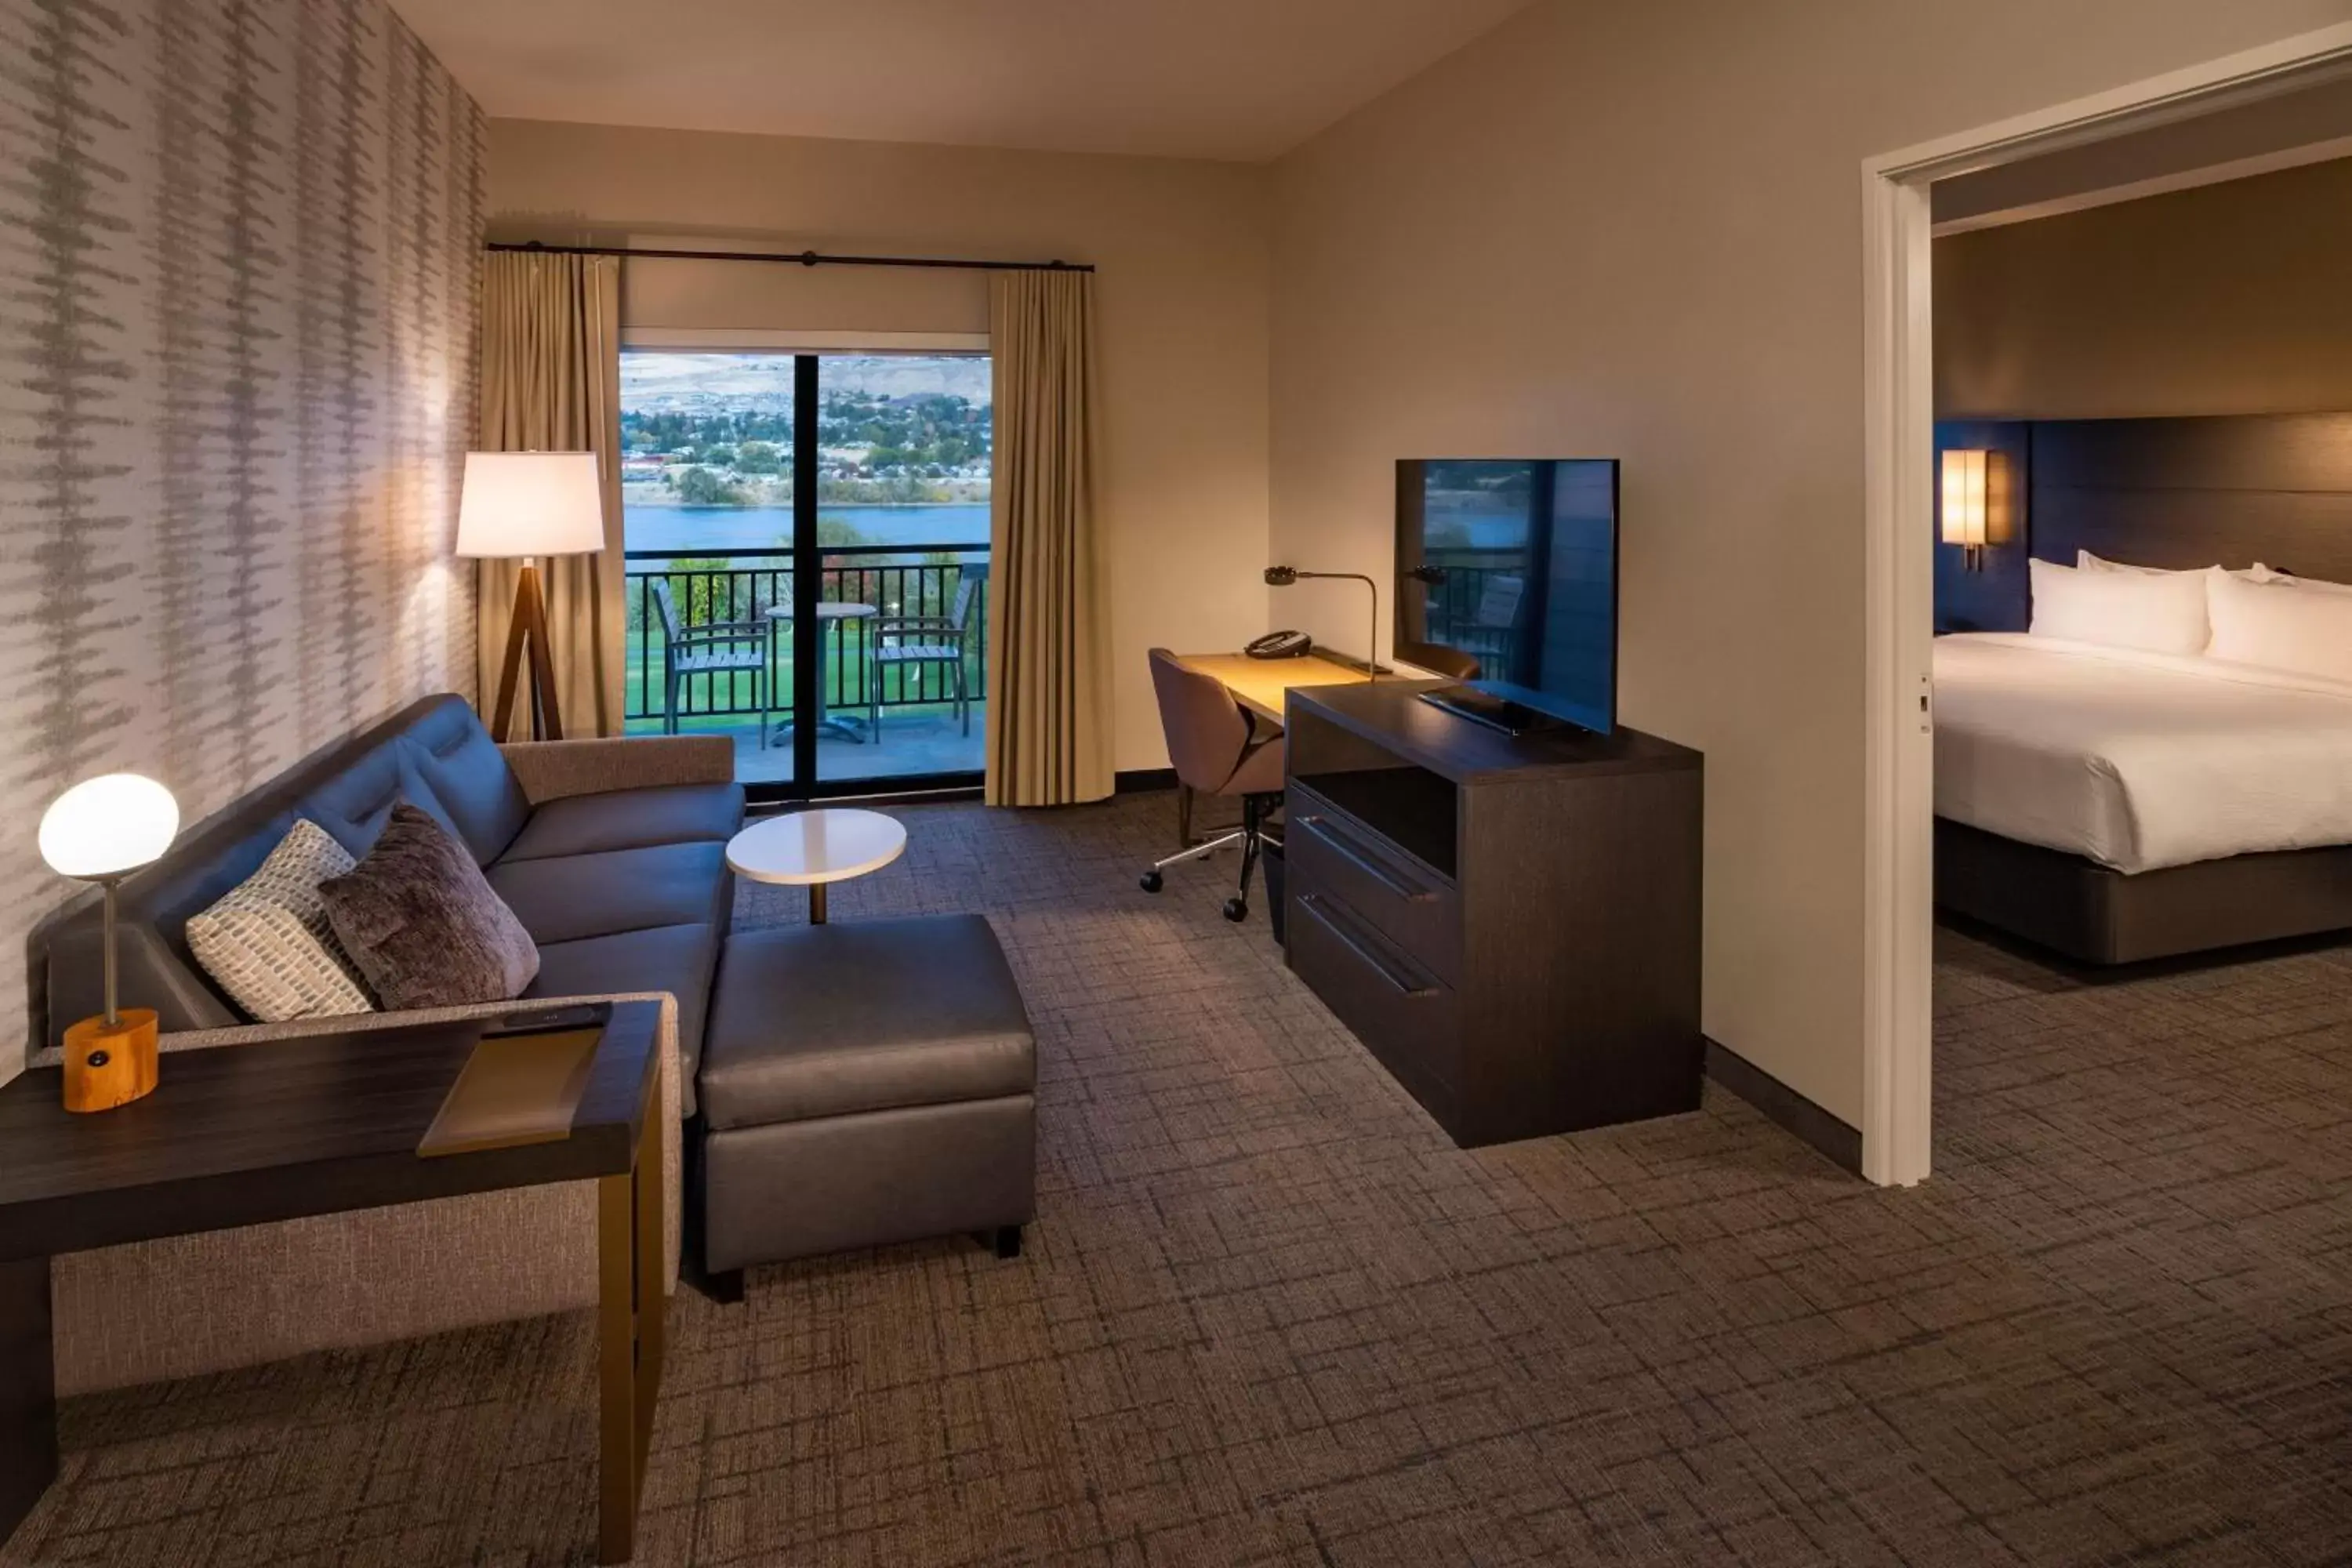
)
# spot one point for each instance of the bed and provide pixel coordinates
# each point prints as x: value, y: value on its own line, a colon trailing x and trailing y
x: 2118, y: 805
x: 2138, y: 762
x: 2115, y: 804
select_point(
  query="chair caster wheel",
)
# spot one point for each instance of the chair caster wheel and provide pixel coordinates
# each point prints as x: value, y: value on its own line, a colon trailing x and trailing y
x: 1151, y: 882
x: 1236, y: 911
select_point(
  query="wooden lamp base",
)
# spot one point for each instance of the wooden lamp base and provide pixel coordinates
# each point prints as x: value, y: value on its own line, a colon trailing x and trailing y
x: 107, y: 1066
x: 527, y: 641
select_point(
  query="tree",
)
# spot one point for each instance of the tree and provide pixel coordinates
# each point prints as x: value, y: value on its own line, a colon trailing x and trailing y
x: 758, y: 458
x: 699, y: 487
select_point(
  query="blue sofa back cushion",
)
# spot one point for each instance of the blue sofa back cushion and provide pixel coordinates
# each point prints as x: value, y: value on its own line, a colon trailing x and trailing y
x: 435, y: 753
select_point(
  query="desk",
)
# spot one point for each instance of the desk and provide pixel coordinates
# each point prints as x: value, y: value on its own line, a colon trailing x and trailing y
x: 279, y: 1130
x: 1261, y: 684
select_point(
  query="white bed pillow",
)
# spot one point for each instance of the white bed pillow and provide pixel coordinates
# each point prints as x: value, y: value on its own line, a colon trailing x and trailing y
x: 2258, y: 573
x: 2087, y: 562
x: 2298, y: 627
x: 2156, y: 612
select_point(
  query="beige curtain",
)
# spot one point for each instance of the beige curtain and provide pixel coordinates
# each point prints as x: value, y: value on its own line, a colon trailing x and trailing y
x: 1048, y: 717
x: 552, y: 382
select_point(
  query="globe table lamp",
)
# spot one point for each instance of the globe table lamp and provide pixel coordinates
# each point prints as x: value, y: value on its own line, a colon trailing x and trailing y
x: 521, y: 506
x: 100, y: 831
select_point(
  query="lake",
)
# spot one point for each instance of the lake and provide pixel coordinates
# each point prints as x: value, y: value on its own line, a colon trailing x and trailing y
x: 720, y: 529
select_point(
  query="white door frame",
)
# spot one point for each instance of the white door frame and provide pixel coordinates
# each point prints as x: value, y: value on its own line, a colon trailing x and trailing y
x: 1898, y: 400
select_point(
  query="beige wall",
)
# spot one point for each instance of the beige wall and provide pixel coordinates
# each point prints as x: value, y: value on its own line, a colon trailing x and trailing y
x: 1182, y: 288
x: 1636, y: 230
x: 2229, y: 299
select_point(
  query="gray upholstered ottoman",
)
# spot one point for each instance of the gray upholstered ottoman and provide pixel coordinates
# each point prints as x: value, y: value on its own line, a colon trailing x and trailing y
x: 861, y: 1084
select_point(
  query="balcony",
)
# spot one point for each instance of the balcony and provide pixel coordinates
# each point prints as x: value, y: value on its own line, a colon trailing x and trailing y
x: 883, y: 718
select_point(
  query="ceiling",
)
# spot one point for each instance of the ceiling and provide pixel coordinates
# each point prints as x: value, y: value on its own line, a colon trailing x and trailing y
x: 1236, y: 80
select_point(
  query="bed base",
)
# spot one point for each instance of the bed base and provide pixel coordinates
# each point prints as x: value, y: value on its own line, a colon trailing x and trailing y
x: 2095, y: 915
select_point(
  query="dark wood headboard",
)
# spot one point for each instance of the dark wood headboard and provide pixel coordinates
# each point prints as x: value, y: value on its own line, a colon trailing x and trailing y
x: 2232, y: 489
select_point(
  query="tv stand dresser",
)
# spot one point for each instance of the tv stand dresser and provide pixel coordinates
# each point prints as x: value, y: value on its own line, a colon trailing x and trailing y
x: 1509, y: 923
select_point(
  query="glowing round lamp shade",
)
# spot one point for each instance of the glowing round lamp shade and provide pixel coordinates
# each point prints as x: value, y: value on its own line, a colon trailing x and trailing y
x: 107, y: 826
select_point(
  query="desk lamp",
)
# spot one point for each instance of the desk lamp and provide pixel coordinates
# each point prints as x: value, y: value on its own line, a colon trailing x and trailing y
x: 1284, y: 576
x: 521, y: 506
x: 100, y: 831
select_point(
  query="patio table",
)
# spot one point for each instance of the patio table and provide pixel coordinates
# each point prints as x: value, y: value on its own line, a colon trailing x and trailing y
x: 847, y: 727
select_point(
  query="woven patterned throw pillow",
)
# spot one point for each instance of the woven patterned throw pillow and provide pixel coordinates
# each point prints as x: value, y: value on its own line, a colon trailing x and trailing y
x: 267, y: 942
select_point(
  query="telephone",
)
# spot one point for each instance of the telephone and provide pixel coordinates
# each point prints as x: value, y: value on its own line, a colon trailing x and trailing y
x: 1281, y: 645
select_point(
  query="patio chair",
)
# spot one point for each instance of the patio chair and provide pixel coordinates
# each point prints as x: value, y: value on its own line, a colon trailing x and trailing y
x: 913, y: 641
x: 713, y: 648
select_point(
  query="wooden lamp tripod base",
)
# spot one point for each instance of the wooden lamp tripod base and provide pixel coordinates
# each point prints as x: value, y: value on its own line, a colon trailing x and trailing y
x: 527, y: 631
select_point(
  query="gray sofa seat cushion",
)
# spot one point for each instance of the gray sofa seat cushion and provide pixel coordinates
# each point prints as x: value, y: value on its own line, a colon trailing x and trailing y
x: 677, y: 959
x: 631, y: 819
x: 569, y: 897
x: 814, y: 1021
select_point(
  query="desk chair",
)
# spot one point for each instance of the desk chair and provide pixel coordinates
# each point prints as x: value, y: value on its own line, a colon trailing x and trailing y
x: 1218, y: 748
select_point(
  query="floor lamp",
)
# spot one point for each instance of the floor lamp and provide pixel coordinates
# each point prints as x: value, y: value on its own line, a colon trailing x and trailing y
x: 521, y: 506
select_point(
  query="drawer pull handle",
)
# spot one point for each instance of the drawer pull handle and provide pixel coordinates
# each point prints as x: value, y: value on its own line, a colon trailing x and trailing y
x: 1332, y: 920
x: 1363, y: 860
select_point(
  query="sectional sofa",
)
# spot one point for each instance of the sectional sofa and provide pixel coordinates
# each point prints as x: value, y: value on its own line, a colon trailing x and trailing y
x: 878, y: 1085
x: 612, y: 853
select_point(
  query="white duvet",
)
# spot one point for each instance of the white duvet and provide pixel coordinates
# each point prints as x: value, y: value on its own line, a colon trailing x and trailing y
x: 2137, y: 760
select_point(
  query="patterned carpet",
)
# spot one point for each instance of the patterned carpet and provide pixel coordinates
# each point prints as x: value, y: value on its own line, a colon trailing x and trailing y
x: 1270, y: 1315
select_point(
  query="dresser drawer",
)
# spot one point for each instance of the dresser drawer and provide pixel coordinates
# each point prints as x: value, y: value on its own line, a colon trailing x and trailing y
x: 1405, y: 1016
x: 1329, y: 854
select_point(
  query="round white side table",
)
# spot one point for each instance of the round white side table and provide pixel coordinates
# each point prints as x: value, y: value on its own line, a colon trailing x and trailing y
x: 812, y: 849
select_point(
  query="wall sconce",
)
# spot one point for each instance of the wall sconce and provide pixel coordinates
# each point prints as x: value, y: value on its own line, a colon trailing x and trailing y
x: 1977, y: 501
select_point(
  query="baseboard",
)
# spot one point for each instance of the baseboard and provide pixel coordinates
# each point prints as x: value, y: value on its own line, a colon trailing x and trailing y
x: 1136, y: 781
x: 1835, y: 1141
x: 882, y: 796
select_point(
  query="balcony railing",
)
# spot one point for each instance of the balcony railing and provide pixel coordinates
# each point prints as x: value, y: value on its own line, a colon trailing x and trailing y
x: 1471, y: 603
x: 742, y: 586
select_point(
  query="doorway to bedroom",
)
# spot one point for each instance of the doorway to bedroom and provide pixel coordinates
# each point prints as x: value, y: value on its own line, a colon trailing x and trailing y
x: 2125, y: 742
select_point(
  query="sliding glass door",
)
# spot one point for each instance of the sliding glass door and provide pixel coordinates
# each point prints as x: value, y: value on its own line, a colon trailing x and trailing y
x: 807, y: 543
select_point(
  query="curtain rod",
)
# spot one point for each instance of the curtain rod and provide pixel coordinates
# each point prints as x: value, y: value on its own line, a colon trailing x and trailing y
x: 798, y: 258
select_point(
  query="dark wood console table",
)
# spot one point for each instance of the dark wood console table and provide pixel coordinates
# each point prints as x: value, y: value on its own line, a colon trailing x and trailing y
x: 1510, y: 924
x: 245, y: 1135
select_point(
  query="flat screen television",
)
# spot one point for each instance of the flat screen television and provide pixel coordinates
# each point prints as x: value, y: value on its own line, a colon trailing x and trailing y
x: 1507, y: 580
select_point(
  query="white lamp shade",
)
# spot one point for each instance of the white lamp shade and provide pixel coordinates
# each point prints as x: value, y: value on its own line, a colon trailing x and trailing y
x: 531, y: 503
x: 1967, y: 481
x: 109, y: 825
x: 1979, y: 501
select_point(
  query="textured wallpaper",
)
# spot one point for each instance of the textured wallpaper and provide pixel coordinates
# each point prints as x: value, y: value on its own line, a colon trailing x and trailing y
x: 238, y: 246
